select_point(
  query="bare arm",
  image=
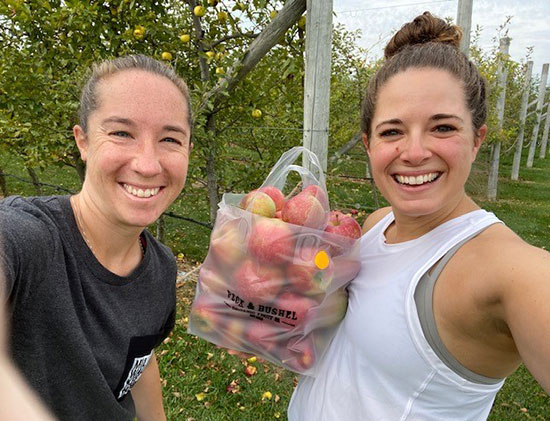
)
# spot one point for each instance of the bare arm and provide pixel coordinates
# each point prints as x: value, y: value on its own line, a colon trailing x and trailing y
x: 526, y: 303
x: 147, y: 394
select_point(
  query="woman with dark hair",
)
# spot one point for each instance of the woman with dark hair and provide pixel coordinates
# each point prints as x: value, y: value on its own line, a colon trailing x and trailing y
x: 90, y: 291
x: 449, y: 301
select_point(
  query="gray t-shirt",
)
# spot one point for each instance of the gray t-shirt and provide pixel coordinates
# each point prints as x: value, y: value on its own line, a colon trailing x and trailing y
x: 80, y: 334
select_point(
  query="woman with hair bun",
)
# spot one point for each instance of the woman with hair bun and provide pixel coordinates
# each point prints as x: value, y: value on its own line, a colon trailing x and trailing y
x: 449, y: 301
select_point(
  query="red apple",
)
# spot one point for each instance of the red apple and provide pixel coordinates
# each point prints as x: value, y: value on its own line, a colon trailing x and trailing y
x: 331, y: 310
x: 211, y: 280
x: 227, y: 242
x: 300, y: 354
x: 271, y: 241
x: 256, y: 282
x: 346, y: 268
x: 308, y: 275
x: 275, y: 194
x: 297, y: 306
x: 342, y: 224
x: 250, y: 371
x: 304, y: 209
x: 319, y: 194
x: 204, y: 315
x: 259, y: 203
x: 262, y: 335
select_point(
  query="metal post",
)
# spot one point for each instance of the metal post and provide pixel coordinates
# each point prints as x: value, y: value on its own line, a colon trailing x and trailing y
x: 317, y: 78
x: 522, y: 116
x: 464, y: 20
x: 544, y: 141
x: 542, y: 92
x: 495, y: 150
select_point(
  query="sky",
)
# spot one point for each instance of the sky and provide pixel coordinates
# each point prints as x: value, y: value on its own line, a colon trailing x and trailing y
x: 380, y: 19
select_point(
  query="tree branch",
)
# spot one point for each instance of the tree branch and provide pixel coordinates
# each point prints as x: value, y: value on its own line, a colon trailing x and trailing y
x: 269, y: 37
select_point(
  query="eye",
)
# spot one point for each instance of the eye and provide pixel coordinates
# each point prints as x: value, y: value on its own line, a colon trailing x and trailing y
x: 389, y: 133
x: 444, y: 128
x: 120, y: 133
x: 172, y: 140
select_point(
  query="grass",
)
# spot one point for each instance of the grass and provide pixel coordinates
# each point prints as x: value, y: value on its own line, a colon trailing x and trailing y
x: 202, y: 382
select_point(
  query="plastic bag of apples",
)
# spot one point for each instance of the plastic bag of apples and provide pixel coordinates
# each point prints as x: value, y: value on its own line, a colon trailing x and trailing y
x: 274, y: 281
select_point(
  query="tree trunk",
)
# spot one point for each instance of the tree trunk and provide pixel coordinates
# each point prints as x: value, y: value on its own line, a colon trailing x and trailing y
x: 522, y: 116
x: 213, y: 194
x: 3, y: 184
x: 269, y: 37
x: 35, y: 180
x: 161, y: 229
x: 493, y: 172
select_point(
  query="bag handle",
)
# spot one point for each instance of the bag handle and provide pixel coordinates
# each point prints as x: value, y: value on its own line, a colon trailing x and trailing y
x: 310, y: 173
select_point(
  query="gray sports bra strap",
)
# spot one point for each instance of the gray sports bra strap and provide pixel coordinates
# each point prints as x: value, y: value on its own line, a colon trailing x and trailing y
x: 423, y: 296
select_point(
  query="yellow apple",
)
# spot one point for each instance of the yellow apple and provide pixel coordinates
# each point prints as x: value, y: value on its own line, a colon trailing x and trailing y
x: 199, y: 11
x: 210, y: 54
x: 185, y: 38
x: 256, y: 113
x: 222, y: 16
x: 166, y: 55
x: 220, y: 71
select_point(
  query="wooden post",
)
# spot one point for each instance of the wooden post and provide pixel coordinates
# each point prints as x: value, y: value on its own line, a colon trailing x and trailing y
x: 544, y: 141
x: 464, y: 20
x: 495, y: 150
x: 542, y: 92
x: 317, y: 78
x: 522, y: 116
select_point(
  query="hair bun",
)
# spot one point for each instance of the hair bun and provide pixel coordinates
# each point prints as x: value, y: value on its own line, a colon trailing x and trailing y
x: 424, y: 28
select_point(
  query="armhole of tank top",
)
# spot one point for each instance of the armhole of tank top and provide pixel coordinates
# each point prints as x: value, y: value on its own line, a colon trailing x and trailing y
x: 423, y: 297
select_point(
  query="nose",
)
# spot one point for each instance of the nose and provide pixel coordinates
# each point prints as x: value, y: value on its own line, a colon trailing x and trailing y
x: 147, y: 160
x: 414, y: 150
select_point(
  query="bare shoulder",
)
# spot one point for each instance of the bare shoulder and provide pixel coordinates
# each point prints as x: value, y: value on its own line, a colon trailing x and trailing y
x: 509, y: 259
x: 375, y: 217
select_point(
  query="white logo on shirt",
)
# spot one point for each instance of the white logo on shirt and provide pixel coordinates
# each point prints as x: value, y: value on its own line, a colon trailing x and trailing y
x: 134, y: 374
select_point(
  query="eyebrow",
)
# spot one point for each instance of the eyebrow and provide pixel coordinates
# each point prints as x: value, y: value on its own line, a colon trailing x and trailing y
x: 128, y: 122
x: 435, y: 117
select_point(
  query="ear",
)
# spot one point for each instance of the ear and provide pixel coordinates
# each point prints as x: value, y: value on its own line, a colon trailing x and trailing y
x: 191, y: 146
x: 479, y: 138
x: 366, y: 142
x: 81, y: 141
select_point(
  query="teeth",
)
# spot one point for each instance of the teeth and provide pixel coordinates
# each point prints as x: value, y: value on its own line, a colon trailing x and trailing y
x: 415, y: 180
x: 141, y: 193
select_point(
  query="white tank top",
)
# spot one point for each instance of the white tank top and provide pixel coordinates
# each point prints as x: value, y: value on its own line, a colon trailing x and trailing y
x: 379, y: 366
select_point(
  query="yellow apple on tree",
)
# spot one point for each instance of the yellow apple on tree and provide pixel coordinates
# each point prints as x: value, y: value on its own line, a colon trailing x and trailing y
x: 256, y: 113
x: 199, y: 11
x: 185, y: 38
x: 222, y: 16
x: 220, y: 71
x: 210, y: 54
x: 166, y: 55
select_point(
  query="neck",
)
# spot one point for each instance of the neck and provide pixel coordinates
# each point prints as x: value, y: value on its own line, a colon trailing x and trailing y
x: 406, y: 228
x: 116, y: 247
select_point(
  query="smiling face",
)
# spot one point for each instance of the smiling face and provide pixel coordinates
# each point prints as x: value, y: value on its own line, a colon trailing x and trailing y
x: 136, y: 149
x: 422, y: 142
